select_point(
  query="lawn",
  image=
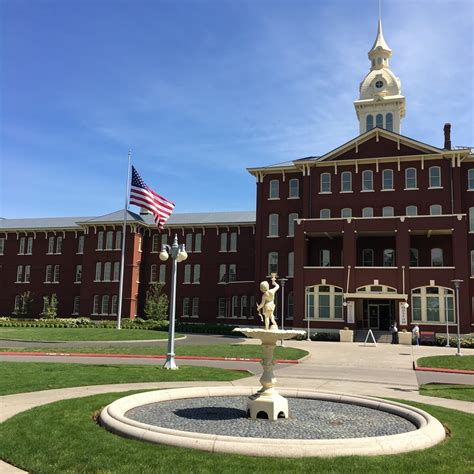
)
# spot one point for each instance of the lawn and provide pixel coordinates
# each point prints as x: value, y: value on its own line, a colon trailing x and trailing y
x: 80, y: 334
x: 453, y: 392
x: 76, y: 444
x: 20, y: 377
x: 465, y: 362
x: 248, y: 351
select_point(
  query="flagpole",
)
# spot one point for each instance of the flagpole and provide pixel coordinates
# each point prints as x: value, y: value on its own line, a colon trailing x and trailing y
x: 124, y: 234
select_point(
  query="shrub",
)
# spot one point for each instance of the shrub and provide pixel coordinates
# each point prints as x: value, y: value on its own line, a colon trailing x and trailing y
x: 156, y: 303
x: 50, y: 310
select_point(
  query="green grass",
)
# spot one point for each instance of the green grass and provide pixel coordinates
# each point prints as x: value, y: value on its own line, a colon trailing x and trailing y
x: 249, y: 351
x: 76, y: 444
x: 465, y: 362
x: 453, y: 392
x: 18, y: 377
x: 79, y: 334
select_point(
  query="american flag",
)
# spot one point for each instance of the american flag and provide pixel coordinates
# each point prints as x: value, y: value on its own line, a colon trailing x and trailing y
x: 141, y: 195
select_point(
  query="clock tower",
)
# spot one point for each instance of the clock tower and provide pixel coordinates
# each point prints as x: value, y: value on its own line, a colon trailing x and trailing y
x: 380, y: 102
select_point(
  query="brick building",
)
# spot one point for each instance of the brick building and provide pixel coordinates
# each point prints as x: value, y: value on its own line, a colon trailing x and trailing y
x: 372, y: 231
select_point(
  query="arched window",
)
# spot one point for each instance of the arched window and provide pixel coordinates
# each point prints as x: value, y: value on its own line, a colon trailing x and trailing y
x: 389, y: 258
x: 435, y: 177
x: 291, y: 264
x: 291, y: 224
x: 369, y: 122
x: 107, y: 271
x: 197, y: 242
x: 346, y: 212
x: 325, y: 183
x: 294, y: 188
x: 389, y: 121
x: 274, y: 189
x: 109, y: 241
x: 470, y: 179
x: 379, y: 121
x: 233, y: 242
x: 432, y: 304
x: 105, y: 305
x: 272, y: 263
x: 185, y: 306
x: 368, y: 212
x: 235, y: 306
x: 195, y: 307
x: 187, y: 273
x: 387, y: 180
x: 289, y: 312
x: 367, y: 180
x: 98, y: 272
x: 436, y: 210
x: 411, y: 211
x: 368, y: 257
x: 155, y: 243
x: 414, y: 257
x: 95, y: 304
x: 346, y: 181
x: 325, y: 214
x: 388, y: 211
x: 189, y: 243
x: 437, y: 257
x: 114, y: 309
x: 472, y: 263
x: 273, y: 225
x: 323, y: 302
x: 471, y: 219
x: 197, y: 273
x: 410, y: 178
x: 153, y: 273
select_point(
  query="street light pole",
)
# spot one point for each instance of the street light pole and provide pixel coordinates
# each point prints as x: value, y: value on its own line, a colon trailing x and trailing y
x: 282, y: 284
x: 457, y: 284
x: 447, y: 320
x: 178, y: 254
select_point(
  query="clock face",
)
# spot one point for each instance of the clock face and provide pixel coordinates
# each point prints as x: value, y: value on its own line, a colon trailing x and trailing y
x: 379, y: 84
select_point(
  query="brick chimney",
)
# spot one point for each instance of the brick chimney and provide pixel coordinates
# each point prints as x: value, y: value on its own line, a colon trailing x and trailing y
x: 447, y: 136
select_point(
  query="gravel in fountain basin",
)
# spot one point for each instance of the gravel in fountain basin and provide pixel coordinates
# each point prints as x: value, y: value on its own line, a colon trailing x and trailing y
x: 309, y: 419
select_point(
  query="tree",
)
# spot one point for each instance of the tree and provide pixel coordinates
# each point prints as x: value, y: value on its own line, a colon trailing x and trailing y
x: 156, y: 303
x: 50, y: 310
x: 26, y: 305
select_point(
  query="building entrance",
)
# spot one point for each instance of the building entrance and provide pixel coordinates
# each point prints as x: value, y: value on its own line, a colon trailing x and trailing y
x: 378, y: 314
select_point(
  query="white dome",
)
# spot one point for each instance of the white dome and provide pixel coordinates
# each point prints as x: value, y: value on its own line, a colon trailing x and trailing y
x: 379, y: 83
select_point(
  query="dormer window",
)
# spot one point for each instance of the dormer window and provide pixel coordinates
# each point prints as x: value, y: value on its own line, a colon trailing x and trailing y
x: 379, y: 84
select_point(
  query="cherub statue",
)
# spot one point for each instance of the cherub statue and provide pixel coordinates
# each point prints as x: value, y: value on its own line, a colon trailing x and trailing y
x: 267, y: 303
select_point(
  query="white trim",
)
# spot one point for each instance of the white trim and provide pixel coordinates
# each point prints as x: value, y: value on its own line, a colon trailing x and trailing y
x: 436, y: 187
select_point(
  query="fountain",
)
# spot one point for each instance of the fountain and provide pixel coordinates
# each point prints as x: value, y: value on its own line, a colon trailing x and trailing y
x: 321, y: 424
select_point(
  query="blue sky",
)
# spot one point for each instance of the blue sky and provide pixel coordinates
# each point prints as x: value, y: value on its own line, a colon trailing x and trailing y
x: 202, y: 89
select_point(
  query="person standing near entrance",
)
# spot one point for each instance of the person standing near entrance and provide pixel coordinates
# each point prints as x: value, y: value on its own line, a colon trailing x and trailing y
x: 416, y: 334
x: 394, y: 331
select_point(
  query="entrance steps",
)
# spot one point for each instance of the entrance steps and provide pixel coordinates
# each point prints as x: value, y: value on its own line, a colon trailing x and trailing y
x: 380, y: 336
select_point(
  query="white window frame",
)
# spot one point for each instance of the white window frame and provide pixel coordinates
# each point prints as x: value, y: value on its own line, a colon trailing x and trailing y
x: 2, y: 245
x: 312, y: 310
x: 232, y: 272
x: 21, y: 246
x: 470, y: 179
x: 367, y: 181
x: 346, y: 182
x: 472, y: 263
x: 116, y: 272
x: 19, y: 274
x: 222, y: 273
x: 223, y: 242
x: 98, y: 271
x: 408, y: 179
x: 153, y: 274
x: 409, y: 211
x: 198, y: 242
x: 293, y: 188
x: 387, y: 175
x: 104, y: 306
x: 431, y: 178
x: 222, y: 307
x: 243, y: 306
x: 197, y: 274
x: 59, y: 245
x: 50, y: 245
x: 162, y: 276
x: 49, y: 274
x: 195, y: 307
x: 100, y: 240
x: 27, y: 275
x: 385, y: 253
x: 274, y: 256
x: 368, y: 212
x: 185, y: 308
x: 187, y: 273
x: 325, y: 211
x: 444, y: 294
x: 80, y: 245
x: 291, y: 223
x: 114, y: 305
x: 291, y: 264
x: 96, y: 304
x: 109, y: 240
x: 107, y: 271
x: 56, y: 273
x: 189, y: 243
x: 234, y: 306
x: 76, y: 304
x: 29, y: 246
x: 273, y: 225
x: 471, y: 219
x: 435, y: 255
x: 325, y: 187
x: 118, y: 241
x: 233, y: 242
x: 386, y: 209
x: 274, y: 189
x: 324, y: 258
x: 155, y: 243
x: 78, y: 274
x: 436, y: 210
x: 346, y: 213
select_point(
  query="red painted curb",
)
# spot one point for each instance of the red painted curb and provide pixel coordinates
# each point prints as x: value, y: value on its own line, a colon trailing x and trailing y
x: 448, y: 371
x: 141, y: 356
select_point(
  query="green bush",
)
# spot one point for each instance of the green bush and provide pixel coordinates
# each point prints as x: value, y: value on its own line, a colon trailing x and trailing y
x: 467, y: 342
x: 204, y: 328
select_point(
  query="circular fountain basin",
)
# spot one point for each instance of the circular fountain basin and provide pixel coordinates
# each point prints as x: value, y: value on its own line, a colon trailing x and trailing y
x: 322, y: 424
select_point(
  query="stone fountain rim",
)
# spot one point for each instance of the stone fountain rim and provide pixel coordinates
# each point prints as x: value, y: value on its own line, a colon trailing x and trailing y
x: 429, y: 430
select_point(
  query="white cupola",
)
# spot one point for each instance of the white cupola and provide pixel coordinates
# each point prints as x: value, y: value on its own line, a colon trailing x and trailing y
x: 380, y: 102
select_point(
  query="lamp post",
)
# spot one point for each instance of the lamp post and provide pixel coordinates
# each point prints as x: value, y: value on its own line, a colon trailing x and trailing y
x: 447, y: 319
x: 178, y: 254
x: 282, y: 284
x: 457, y: 284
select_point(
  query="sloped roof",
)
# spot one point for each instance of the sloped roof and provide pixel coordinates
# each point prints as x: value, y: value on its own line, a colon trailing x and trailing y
x: 181, y: 219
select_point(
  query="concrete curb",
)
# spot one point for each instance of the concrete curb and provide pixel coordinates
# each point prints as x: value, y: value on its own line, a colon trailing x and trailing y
x: 143, y: 356
x: 429, y: 430
x: 94, y: 342
x: 446, y: 371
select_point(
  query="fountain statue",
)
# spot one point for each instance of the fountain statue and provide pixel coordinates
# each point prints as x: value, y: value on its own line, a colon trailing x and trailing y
x: 267, y: 402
